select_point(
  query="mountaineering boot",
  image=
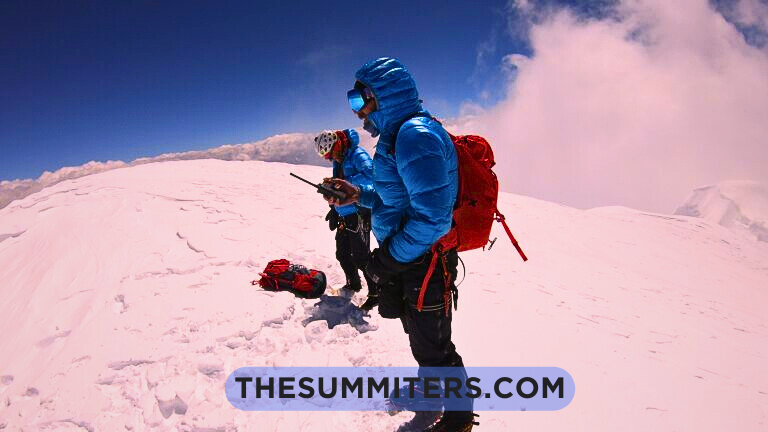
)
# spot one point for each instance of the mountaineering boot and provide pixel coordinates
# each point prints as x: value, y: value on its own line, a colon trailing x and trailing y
x: 419, y: 421
x: 454, y: 421
x: 401, y: 400
x: 370, y: 302
x: 353, y: 284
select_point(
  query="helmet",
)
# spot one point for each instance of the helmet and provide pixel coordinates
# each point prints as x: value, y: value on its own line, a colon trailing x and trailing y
x: 325, y: 141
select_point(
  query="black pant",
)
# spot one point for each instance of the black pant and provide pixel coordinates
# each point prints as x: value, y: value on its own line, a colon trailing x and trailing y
x: 353, y: 246
x: 429, y: 331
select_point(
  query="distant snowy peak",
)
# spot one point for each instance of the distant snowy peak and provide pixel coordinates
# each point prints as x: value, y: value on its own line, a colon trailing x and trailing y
x: 741, y: 205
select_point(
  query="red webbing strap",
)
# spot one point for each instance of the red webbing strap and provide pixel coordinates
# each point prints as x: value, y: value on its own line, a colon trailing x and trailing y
x: 420, y: 303
x: 500, y: 218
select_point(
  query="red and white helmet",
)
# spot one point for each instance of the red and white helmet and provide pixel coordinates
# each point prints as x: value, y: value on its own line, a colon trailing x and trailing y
x: 325, y: 141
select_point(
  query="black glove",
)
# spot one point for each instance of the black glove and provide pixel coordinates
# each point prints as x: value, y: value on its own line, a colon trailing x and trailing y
x: 333, y: 219
x: 382, y: 267
x: 382, y: 270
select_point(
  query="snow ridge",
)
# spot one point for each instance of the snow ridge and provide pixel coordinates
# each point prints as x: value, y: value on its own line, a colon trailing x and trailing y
x: 293, y: 148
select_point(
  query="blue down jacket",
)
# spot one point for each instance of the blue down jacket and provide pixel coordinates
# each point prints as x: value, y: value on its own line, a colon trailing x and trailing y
x: 357, y: 168
x: 415, y: 169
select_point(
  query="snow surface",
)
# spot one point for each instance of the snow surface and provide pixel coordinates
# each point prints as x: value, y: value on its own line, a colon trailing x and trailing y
x: 740, y: 205
x: 126, y: 302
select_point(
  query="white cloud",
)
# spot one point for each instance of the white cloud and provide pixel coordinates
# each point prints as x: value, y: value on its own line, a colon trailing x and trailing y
x: 632, y: 111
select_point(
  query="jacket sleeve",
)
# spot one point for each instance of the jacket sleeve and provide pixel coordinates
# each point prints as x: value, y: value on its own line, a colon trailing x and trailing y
x: 368, y: 196
x: 386, y: 221
x: 363, y: 167
x: 422, y: 163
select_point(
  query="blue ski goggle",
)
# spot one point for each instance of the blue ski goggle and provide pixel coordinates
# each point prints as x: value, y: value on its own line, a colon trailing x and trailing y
x: 358, y: 97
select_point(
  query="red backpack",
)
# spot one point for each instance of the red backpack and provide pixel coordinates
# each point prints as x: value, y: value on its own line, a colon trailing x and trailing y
x: 281, y: 275
x: 476, y: 204
x: 474, y: 211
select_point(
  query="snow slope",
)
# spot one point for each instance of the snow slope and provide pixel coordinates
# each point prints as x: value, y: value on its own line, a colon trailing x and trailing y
x: 741, y: 205
x: 125, y: 302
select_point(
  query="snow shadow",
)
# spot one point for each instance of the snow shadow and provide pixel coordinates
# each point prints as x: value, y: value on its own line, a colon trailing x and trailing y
x: 336, y: 310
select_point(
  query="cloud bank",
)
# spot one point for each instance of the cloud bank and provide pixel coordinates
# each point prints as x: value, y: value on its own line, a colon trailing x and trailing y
x: 636, y: 107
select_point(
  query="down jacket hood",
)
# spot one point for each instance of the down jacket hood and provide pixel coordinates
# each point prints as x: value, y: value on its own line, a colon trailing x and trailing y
x: 395, y: 92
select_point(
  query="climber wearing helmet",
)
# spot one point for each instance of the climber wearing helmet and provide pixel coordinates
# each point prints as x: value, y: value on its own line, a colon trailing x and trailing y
x: 351, y: 221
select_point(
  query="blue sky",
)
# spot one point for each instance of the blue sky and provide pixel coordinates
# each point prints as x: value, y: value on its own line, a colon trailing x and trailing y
x: 118, y: 80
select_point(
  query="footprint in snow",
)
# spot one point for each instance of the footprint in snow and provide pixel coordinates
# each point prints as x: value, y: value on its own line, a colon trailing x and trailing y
x: 168, y: 408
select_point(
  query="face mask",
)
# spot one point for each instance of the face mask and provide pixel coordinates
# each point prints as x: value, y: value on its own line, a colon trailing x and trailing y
x: 371, y: 128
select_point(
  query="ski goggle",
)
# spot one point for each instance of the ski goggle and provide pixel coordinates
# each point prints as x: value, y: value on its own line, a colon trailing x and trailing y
x: 358, y: 97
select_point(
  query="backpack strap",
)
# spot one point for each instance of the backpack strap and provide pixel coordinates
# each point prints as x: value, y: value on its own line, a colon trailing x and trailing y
x: 423, y: 290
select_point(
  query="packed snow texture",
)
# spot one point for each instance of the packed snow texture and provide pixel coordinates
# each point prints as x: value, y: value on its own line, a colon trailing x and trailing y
x: 740, y: 205
x: 125, y: 302
x: 295, y: 148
